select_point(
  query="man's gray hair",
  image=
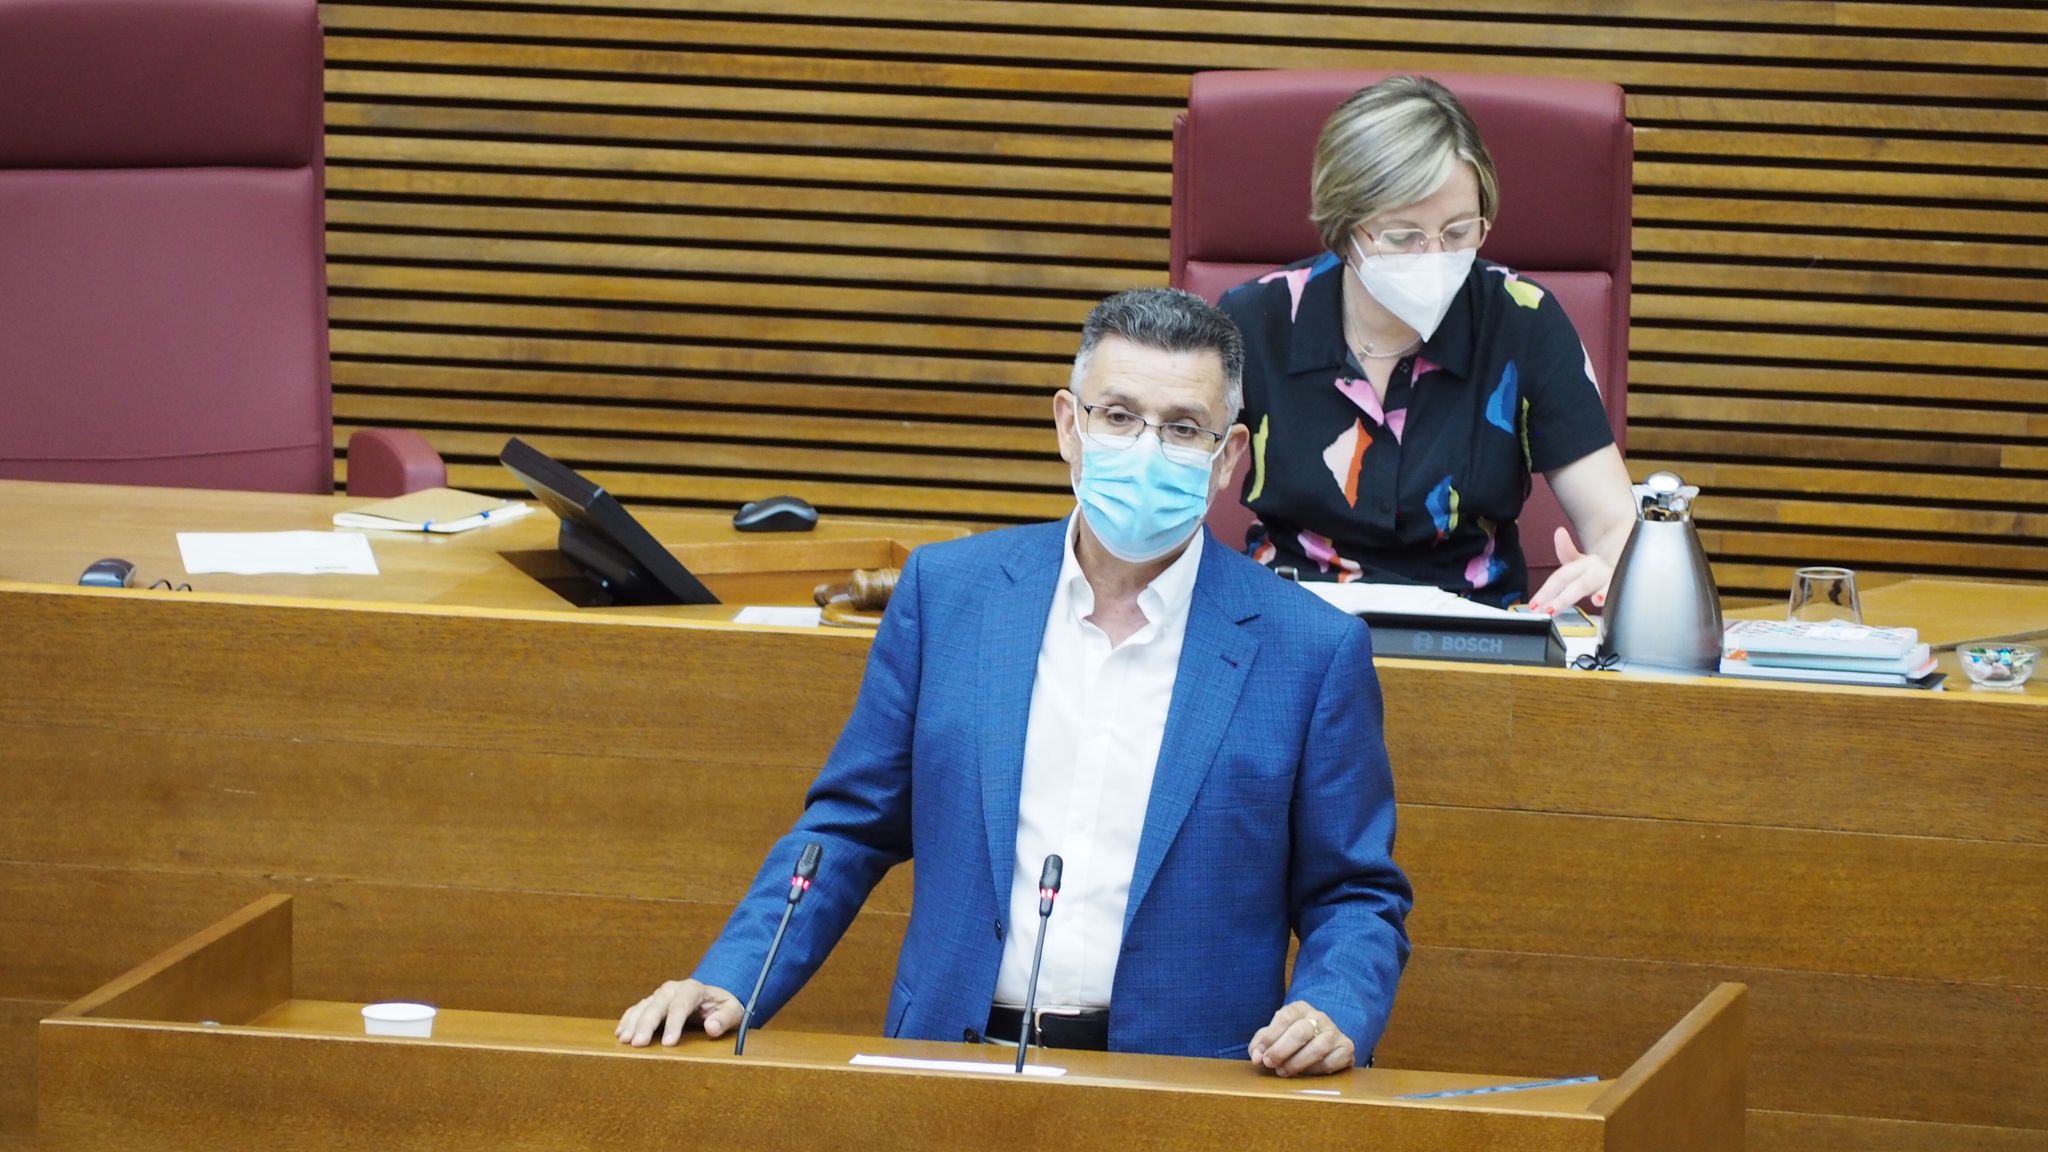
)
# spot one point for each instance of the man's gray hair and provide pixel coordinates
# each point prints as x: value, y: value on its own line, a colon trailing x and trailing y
x: 1169, y: 320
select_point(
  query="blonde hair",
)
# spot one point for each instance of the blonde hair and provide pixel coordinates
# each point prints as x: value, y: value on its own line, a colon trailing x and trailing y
x: 1393, y: 144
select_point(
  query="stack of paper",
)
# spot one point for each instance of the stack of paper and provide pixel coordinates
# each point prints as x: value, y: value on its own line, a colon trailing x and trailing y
x: 1831, y: 651
x: 1400, y: 599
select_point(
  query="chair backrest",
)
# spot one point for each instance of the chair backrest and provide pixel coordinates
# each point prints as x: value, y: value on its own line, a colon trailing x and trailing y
x: 1564, y: 151
x: 163, y: 293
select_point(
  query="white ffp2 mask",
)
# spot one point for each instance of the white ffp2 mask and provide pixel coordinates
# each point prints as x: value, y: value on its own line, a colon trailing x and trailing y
x: 1418, y: 287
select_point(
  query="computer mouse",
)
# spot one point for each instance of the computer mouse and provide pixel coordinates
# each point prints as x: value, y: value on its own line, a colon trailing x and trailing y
x: 776, y: 514
x: 108, y: 573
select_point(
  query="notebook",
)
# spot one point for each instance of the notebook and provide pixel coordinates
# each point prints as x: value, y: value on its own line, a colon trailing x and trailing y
x: 1916, y: 660
x: 1923, y: 677
x: 432, y: 510
x: 1825, y: 638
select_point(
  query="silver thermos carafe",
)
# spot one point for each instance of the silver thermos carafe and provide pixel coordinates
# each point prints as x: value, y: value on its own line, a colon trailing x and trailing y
x: 1663, y: 612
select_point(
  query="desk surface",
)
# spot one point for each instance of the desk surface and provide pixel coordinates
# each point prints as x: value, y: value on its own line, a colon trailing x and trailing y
x: 770, y: 1045
x: 55, y: 530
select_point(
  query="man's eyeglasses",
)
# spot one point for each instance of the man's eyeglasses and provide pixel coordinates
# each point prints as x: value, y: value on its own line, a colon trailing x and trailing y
x: 1457, y: 236
x: 1182, y: 440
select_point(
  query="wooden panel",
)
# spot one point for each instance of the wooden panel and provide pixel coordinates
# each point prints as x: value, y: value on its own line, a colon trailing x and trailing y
x: 230, y: 972
x: 1686, y: 1093
x: 1119, y: 35
x: 18, y: 1068
x: 1883, y: 13
x: 1753, y: 897
x: 1741, y: 754
x: 879, y: 406
x: 822, y: 430
x: 509, y: 1080
x: 1814, y: 1036
x: 68, y: 930
x: 600, y: 188
x: 1807, y: 1132
x: 1789, y: 898
x: 413, y: 685
x: 1851, y: 1045
x: 641, y: 128
x: 291, y: 806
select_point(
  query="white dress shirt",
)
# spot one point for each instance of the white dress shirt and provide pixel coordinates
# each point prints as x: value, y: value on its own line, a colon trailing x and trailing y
x: 1097, y: 717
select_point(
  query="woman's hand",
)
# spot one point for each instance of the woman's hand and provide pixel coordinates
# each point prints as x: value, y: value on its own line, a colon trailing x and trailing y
x: 1579, y: 575
x: 1594, y: 492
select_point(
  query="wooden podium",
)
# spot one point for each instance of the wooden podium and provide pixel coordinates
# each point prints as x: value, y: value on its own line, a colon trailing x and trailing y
x: 206, y: 1047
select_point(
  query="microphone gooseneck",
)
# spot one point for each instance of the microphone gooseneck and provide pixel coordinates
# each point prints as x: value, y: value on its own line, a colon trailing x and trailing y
x: 1048, y: 889
x: 800, y: 881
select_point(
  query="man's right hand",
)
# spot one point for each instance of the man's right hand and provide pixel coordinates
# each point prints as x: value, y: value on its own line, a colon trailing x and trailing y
x: 674, y: 1005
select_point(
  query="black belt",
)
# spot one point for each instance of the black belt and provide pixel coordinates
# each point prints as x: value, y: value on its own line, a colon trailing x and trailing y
x: 1056, y: 1029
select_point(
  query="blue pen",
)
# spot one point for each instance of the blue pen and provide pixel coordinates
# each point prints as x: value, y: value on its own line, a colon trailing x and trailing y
x: 1500, y: 1088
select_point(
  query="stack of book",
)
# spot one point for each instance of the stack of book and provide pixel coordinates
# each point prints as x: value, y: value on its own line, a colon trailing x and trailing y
x: 1830, y: 651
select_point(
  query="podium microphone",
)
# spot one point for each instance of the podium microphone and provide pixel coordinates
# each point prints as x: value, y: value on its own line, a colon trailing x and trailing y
x: 799, y: 883
x: 1048, y: 887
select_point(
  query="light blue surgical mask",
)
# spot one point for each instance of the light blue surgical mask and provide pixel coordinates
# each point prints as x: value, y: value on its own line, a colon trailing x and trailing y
x: 1139, y: 502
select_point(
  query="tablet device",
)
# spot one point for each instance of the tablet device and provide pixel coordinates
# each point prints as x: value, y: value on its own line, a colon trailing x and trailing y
x: 621, y: 559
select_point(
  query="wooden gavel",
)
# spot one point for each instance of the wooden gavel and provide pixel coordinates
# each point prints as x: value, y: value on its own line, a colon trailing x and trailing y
x: 866, y: 589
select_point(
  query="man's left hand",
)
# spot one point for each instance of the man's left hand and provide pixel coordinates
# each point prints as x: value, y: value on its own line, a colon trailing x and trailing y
x: 1302, y: 1042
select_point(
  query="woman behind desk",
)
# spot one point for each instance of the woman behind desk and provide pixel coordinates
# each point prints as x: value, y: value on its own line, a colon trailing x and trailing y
x: 1401, y: 393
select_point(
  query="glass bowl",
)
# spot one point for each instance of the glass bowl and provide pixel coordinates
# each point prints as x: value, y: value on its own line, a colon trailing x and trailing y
x: 1998, y: 665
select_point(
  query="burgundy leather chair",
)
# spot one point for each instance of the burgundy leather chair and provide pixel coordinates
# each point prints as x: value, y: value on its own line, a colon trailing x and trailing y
x: 163, y: 287
x: 1564, y: 151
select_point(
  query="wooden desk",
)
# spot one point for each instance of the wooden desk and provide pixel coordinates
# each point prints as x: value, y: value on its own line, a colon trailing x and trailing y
x: 577, y: 799
x: 57, y: 529
x: 133, y: 1065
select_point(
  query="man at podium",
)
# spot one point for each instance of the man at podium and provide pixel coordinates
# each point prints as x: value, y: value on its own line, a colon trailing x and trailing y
x: 1198, y: 739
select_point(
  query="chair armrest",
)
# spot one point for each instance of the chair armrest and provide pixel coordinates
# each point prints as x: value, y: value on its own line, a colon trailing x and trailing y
x: 386, y: 462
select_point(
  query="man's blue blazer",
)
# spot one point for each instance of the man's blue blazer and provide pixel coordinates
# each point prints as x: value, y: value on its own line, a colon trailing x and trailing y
x: 1272, y: 810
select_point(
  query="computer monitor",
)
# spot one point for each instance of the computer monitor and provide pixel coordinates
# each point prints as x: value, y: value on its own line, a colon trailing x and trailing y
x: 623, y: 562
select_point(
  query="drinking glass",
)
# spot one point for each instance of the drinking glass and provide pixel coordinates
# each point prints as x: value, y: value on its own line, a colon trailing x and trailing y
x: 1825, y: 594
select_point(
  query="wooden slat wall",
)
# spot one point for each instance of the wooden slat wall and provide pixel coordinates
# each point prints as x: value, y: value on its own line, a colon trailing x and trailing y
x: 841, y: 247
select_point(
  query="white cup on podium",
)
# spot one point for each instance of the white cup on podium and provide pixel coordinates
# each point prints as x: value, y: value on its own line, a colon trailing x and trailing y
x: 398, y: 1019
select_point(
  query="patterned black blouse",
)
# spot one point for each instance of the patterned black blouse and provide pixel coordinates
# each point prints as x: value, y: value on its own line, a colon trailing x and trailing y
x: 1425, y: 487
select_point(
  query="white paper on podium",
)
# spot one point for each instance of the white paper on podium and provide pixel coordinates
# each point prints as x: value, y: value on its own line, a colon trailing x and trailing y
x: 786, y: 617
x: 1405, y: 599
x: 868, y: 1061
x: 277, y: 553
